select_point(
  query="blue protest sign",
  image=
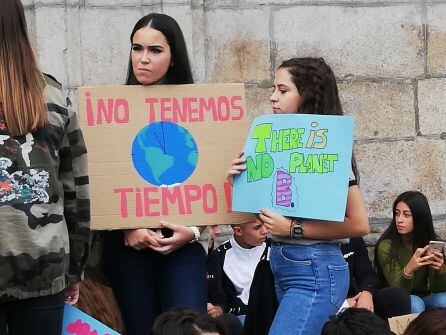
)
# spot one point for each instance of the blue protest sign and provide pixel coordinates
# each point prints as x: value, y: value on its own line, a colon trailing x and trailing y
x: 76, y: 322
x: 297, y: 165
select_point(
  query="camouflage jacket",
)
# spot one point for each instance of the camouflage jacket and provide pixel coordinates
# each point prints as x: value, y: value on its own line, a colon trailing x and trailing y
x: 44, y: 203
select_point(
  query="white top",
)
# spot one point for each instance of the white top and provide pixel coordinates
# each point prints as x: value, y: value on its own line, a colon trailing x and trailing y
x: 239, y: 266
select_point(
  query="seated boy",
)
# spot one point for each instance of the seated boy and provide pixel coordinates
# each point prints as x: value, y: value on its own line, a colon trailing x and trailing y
x: 231, y: 268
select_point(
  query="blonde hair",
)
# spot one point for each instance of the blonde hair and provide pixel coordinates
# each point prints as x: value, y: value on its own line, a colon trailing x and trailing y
x: 21, y: 82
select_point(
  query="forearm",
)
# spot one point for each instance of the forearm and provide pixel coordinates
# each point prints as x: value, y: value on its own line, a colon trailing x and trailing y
x: 394, y: 276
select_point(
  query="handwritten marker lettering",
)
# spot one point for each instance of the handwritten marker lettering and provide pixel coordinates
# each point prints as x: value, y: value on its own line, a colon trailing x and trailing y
x: 283, y: 190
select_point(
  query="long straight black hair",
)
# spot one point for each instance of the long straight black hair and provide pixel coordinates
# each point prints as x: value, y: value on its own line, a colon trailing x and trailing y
x: 316, y: 84
x: 179, y: 72
x: 423, y: 226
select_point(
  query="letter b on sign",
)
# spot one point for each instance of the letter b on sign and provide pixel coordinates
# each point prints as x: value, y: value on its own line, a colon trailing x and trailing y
x: 283, y: 190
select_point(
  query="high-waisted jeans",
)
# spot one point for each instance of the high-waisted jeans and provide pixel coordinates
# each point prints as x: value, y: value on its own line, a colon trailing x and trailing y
x: 311, y: 284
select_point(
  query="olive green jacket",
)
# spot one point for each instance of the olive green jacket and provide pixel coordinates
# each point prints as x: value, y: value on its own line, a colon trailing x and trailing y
x: 424, y: 281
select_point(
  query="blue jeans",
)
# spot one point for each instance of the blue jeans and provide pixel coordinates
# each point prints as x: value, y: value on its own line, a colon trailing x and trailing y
x: 146, y: 283
x: 419, y: 304
x: 311, y: 284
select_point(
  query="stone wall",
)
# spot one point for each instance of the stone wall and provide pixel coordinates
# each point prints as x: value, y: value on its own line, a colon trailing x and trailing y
x: 389, y: 57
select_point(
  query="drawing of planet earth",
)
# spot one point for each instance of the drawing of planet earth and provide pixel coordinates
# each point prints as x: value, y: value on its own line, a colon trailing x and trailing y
x: 164, y: 153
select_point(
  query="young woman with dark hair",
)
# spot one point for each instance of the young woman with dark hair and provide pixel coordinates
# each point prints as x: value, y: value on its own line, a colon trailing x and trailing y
x: 178, y: 71
x: 312, y: 277
x: 402, y: 255
x: 44, y: 200
x: 151, y: 271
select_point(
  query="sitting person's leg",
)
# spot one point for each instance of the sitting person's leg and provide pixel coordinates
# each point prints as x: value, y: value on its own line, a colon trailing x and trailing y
x: 435, y: 300
x: 416, y: 304
x: 391, y: 301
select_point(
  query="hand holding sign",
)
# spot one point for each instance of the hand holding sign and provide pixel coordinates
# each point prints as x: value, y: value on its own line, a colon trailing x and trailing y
x: 140, y: 238
x: 275, y: 223
x: 238, y: 165
x: 181, y: 236
x: 72, y: 293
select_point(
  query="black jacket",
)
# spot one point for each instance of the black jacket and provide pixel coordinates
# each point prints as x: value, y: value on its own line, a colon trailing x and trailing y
x: 362, y: 275
x: 221, y: 291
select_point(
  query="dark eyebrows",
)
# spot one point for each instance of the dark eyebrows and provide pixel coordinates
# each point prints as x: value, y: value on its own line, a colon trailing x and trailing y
x: 155, y: 46
x: 405, y: 211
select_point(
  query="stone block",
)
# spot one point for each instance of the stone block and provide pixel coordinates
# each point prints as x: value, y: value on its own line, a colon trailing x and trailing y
x: 218, y: 3
x: 51, y: 41
x: 162, y: 2
x: 237, y: 45
x: 381, y: 110
x: 390, y: 168
x: 116, y: 3
x: 378, y: 41
x: 436, y: 45
x: 27, y: 3
x: 39, y: 3
x: 31, y: 26
x: 152, y: 8
x: 105, y: 42
x: 313, y: 2
x: 432, y: 106
x: 182, y: 2
x: 440, y: 227
x: 191, y: 21
x: 257, y: 102
x: 74, y: 49
x: 151, y: 2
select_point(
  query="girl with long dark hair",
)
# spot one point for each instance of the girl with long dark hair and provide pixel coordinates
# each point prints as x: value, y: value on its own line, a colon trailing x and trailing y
x: 44, y: 200
x: 311, y: 275
x: 402, y: 255
x: 152, y: 271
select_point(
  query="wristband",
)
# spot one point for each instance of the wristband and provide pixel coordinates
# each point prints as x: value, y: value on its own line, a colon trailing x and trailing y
x: 406, y: 275
x: 196, y: 232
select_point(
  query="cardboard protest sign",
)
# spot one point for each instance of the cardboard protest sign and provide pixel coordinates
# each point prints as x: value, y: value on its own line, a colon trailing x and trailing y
x: 162, y: 153
x: 76, y: 322
x: 297, y: 165
x: 398, y: 324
